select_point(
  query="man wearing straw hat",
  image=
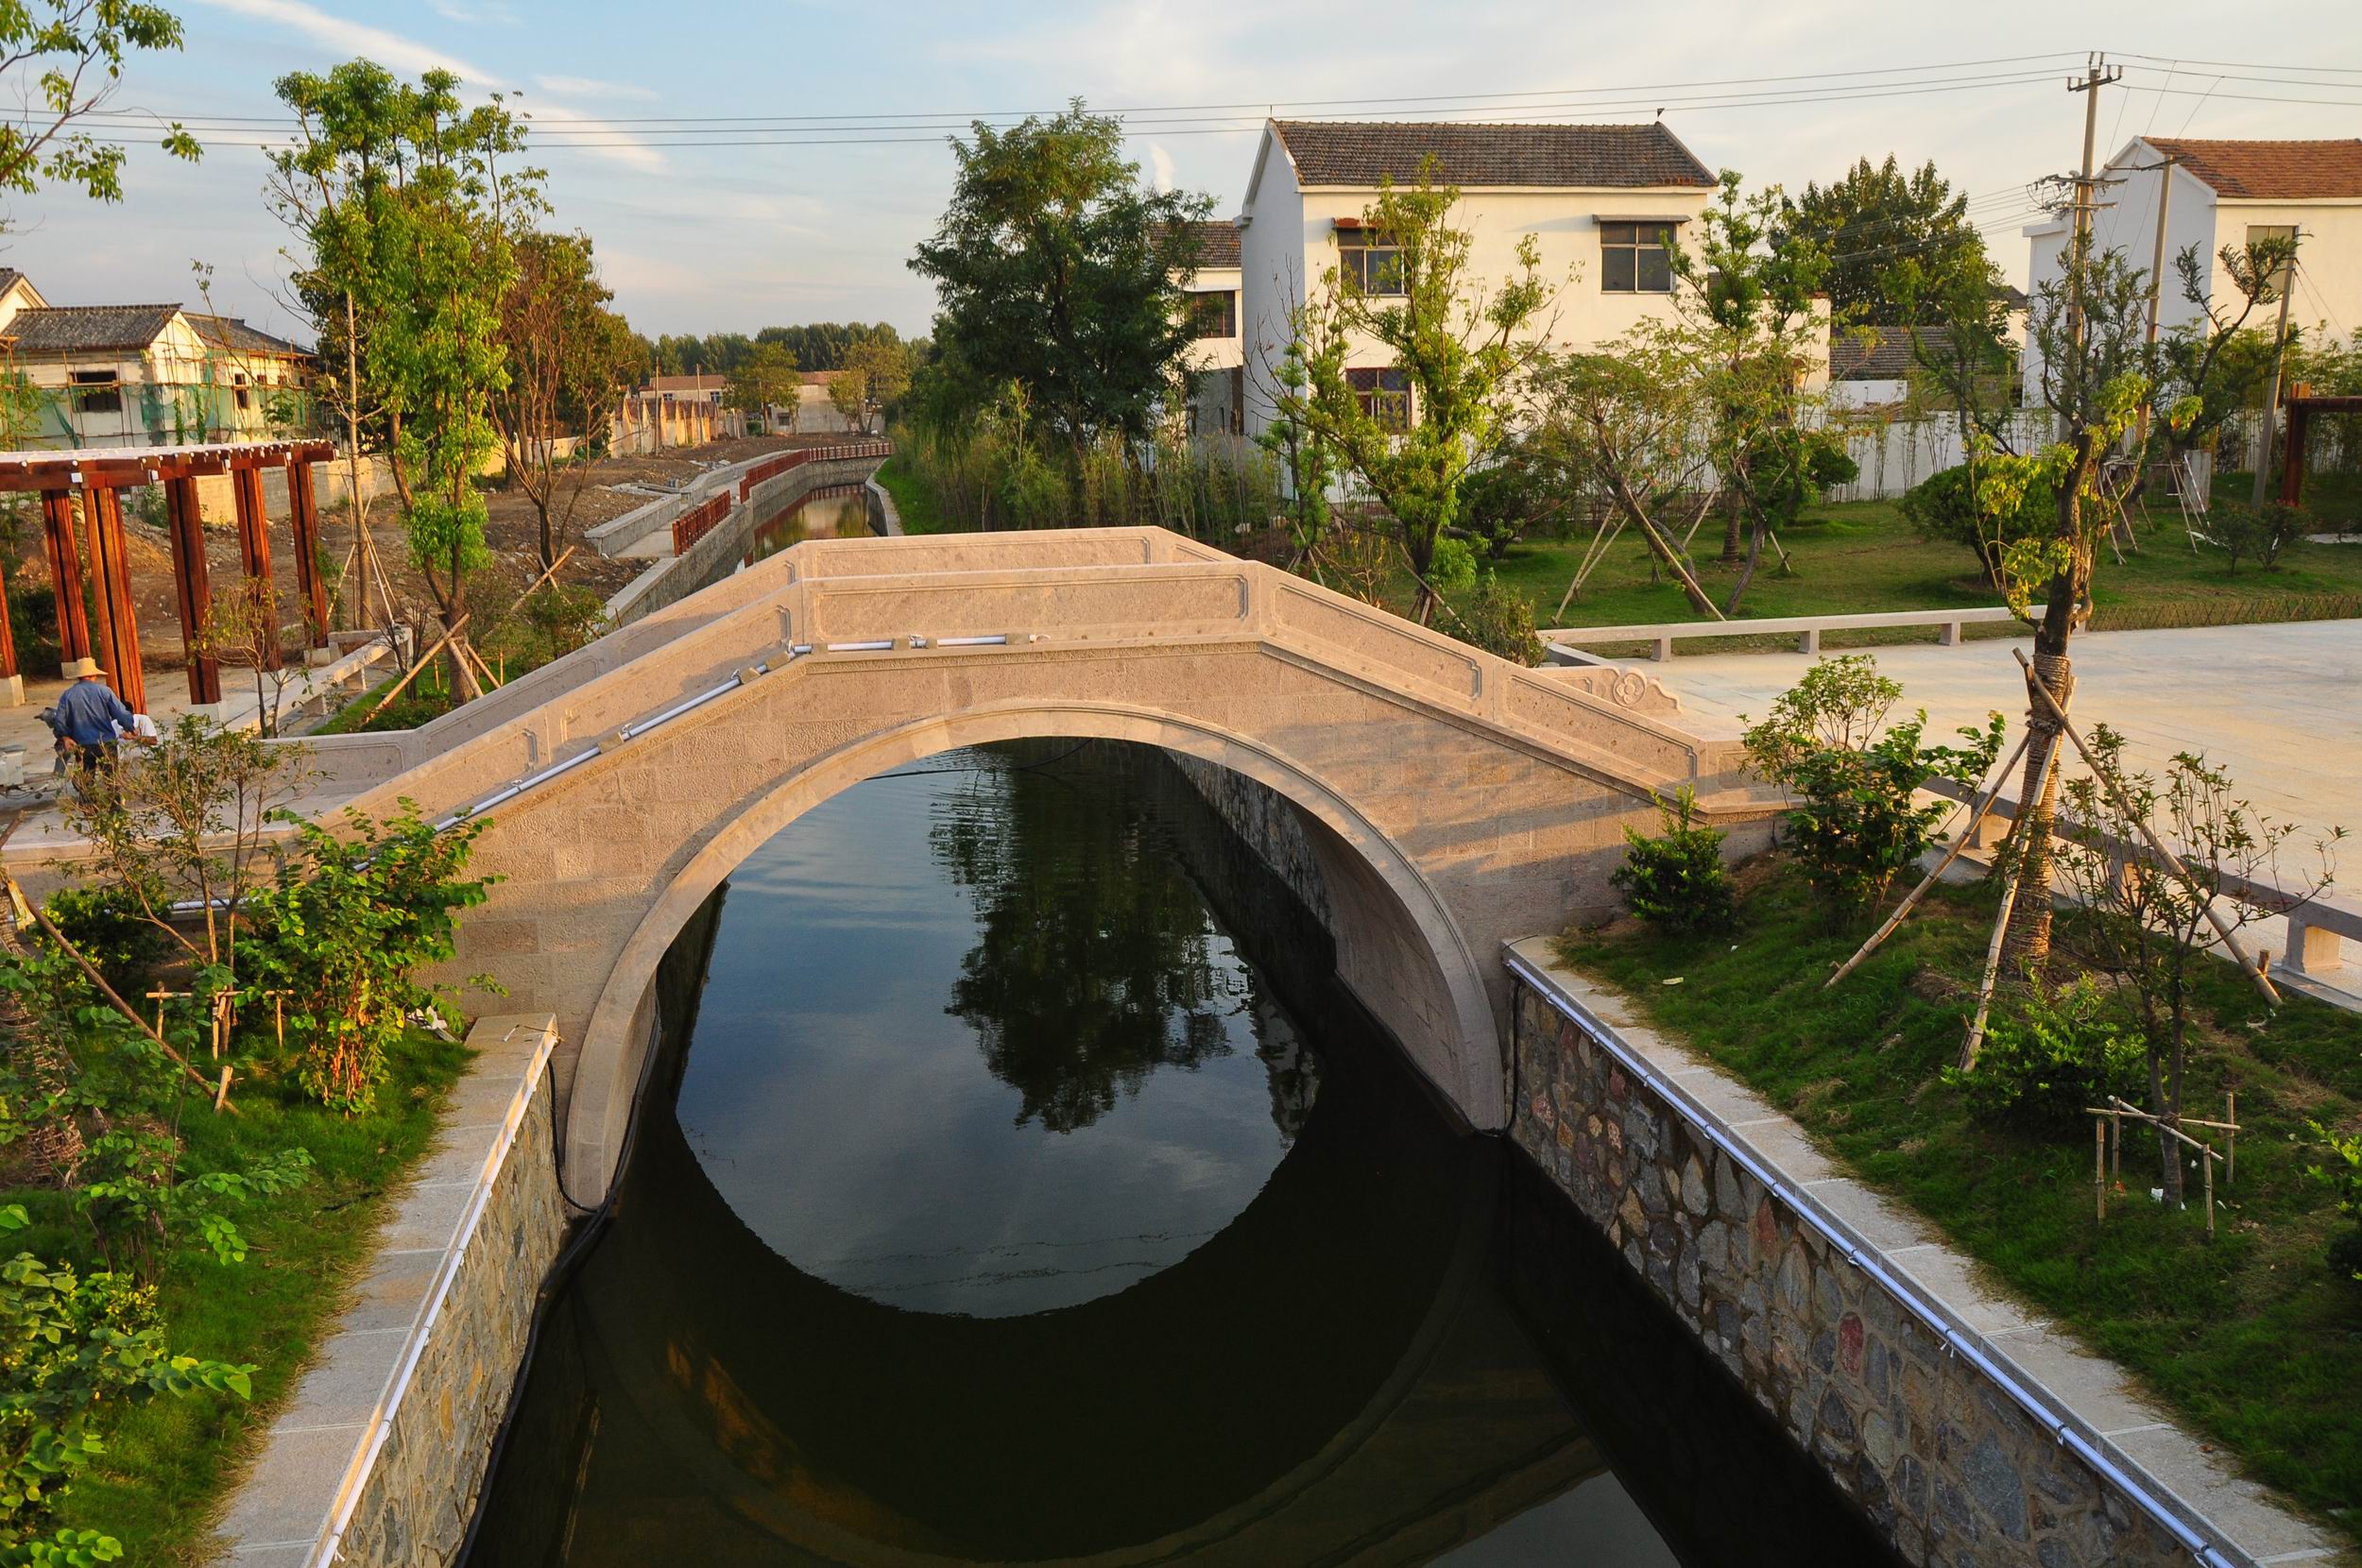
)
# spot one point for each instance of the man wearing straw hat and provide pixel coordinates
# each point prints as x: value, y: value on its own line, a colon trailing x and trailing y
x: 87, y: 714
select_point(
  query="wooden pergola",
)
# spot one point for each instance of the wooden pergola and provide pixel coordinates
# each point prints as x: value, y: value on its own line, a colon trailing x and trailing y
x: 2301, y: 406
x: 101, y: 475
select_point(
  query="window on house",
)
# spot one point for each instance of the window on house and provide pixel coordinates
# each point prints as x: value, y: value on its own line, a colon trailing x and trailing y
x: 97, y: 392
x: 1369, y: 261
x: 2263, y: 233
x: 1384, y: 396
x: 1637, y: 258
x: 246, y: 393
x: 1214, y: 315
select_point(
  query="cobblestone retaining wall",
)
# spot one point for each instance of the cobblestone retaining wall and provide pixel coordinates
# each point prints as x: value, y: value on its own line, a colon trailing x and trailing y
x: 1945, y: 1463
x: 418, y: 1496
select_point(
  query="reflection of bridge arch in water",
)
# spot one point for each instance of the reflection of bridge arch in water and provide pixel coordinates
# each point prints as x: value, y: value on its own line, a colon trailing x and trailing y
x: 1282, y: 1366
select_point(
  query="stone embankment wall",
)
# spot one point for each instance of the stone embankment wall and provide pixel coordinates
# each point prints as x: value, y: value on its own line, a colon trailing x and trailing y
x: 1945, y: 1463
x: 717, y: 554
x: 379, y: 1455
x: 1268, y: 825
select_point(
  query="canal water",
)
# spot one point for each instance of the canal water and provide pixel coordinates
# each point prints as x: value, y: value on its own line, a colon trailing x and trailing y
x: 1014, y: 1183
x: 834, y: 512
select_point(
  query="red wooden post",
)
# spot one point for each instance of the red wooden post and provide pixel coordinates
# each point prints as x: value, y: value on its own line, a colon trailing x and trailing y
x: 246, y: 488
x: 118, y: 627
x: 14, y: 687
x: 193, y: 589
x: 65, y: 573
x: 303, y: 506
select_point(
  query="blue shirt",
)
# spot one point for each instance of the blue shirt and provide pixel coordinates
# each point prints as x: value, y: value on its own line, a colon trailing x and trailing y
x: 89, y: 711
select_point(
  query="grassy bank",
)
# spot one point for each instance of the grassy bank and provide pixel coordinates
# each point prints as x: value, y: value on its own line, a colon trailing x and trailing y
x: 1864, y: 556
x: 168, y: 1464
x: 914, y: 497
x: 2253, y: 1338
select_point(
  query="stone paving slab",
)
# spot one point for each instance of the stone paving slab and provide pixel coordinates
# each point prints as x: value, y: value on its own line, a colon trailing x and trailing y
x: 2094, y: 1392
x: 319, y: 1445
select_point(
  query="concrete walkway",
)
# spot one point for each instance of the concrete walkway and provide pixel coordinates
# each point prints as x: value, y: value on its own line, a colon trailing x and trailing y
x: 2278, y: 705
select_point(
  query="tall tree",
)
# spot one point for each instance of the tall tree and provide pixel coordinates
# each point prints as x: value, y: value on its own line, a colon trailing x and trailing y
x: 1060, y: 269
x: 569, y: 357
x: 78, y: 48
x: 2213, y: 365
x: 1460, y: 349
x: 1746, y: 285
x: 1868, y: 220
x: 402, y: 194
x: 883, y: 365
x: 765, y: 378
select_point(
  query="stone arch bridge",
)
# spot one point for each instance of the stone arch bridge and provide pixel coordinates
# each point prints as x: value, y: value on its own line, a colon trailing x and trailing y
x: 1451, y: 799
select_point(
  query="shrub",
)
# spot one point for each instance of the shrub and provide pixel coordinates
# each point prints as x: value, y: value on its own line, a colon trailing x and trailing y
x: 345, y: 927
x: 1938, y: 507
x: 108, y: 926
x: 1676, y: 880
x: 1499, y: 620
x: 2342, y: 1174
x: 2049, y: 1056
x: 1856, y: 822
x: 2255, y: 533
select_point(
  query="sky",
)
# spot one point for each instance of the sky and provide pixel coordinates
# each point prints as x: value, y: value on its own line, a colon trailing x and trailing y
x: 642, y: 112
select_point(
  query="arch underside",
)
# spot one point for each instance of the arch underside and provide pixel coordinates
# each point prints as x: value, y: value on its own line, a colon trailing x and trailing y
x: 1401, y: 949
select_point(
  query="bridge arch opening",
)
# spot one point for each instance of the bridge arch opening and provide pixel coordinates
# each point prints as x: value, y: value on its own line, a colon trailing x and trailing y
x: 1399, y: 949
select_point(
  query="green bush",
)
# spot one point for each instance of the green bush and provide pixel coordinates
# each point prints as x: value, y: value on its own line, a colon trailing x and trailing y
x: 1938, y: 507
x: 2341, y: 1172
x: 1676, y: 880
x: 106, y: 926
x: 1499, y: 620
x: 1856, y: 822
x: 2255, y: 533
x: 2049, y: 1056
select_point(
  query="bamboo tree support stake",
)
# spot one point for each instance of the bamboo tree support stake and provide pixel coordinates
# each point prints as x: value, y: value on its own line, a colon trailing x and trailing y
x: 412, y: 674
x: 221, y: 1094
x: 549, y: 572
x: 41, y: 917
x: 2172, y: 862
x: 2001, y: 921
x: 2100, y: 1165
x: 1978, y: 806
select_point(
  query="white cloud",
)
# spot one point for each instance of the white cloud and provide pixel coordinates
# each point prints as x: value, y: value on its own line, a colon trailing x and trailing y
x: 590, y: 87
x: 1160, y: 166
x: 340, y: 35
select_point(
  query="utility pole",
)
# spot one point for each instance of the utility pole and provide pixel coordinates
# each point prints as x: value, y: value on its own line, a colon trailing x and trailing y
x: 2157, y: 283
x: 2097, y: 75
x: 2280, y: 356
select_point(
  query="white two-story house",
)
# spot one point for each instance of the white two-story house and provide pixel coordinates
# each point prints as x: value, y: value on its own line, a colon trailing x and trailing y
x: 1604, y: 203
x: 1214, y: 396
x: 2225, y: 194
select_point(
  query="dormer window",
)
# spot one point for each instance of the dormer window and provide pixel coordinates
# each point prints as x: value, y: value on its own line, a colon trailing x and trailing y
x: 1635, y: 257
x: 1369, y: 261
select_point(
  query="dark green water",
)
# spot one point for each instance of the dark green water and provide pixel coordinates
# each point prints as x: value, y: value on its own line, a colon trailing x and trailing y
x: 1017, y: 1186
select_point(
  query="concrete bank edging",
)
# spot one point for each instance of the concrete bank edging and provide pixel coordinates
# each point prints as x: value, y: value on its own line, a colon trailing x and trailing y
x: 889, y: 515
x: 2160, y: 1498
x: 379, y: 1452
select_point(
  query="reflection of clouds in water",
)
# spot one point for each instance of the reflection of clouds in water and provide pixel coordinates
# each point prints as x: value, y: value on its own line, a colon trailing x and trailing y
x: 857, y: 1127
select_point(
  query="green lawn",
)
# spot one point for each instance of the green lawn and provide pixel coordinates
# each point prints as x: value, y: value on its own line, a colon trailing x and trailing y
x: 1863, y: 556
x: 2252, y: 1338
x: 914, y: 498
x: 168, y: 1463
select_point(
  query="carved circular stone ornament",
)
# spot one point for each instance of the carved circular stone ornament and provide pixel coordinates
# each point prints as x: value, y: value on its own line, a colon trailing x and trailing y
x: 1630, y: 686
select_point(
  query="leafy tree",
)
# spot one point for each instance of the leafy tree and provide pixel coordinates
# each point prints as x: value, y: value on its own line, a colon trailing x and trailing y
x: 1746, y: 286
x: 849, y: 393
x: 883, y: 366
x: 569, y: 357
x: 2213, y: 366
x: 1870, y: 221
x: 766, y: 377
x: 1059, y: 270
x: 1856, y: 778
x: 78, y: 47
x: 2147, y: 926
x: 1952, y: 301
x: 1464, y: 350
x: 403, y: 199
x: 1944, y: 506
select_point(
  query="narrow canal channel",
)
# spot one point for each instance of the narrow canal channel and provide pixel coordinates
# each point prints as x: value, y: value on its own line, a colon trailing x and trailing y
x: 1017, y: 1184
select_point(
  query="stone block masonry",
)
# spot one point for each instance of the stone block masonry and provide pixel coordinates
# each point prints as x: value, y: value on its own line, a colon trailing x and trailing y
x: 1969, y: 1433
x: 380, y: 1453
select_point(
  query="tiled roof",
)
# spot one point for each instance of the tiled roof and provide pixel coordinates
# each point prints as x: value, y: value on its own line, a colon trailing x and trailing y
x: 2271, y: 171
x: 9, y: 276
x: 1562, y: 156
x: 230, y: 332
x: 688, y: 384
x: 1876, y: 354
x: 819, y: 378
x: 79, y: 329
x: 1214, y: 244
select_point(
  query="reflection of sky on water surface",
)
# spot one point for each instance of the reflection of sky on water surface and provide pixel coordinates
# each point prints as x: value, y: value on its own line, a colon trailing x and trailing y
x: 852, y: 1122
